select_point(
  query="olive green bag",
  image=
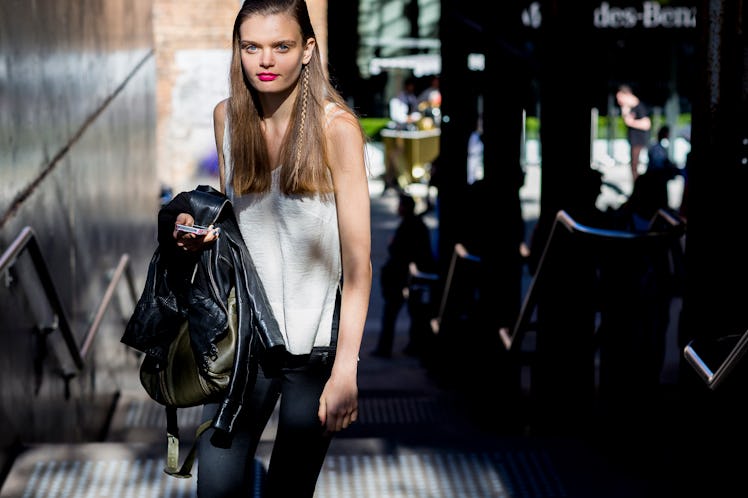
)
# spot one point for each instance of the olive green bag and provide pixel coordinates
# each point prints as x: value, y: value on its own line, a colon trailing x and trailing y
x: 180, y: 382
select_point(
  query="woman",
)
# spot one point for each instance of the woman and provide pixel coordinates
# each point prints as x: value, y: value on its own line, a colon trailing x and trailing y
x: 291, y: 157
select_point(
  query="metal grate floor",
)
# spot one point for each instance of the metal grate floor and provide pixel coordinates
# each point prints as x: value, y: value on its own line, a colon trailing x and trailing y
x: 404, y: 445
x: 104, y: 470
x: 440, y: 474
x: 137, y: 412
x: 140, y: 419
x: 400, y: 410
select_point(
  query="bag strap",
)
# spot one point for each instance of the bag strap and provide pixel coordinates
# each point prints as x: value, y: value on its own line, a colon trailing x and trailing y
x: 172, y: 446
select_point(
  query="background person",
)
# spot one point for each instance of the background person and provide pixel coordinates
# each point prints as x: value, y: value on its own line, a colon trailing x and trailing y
x: 403, y: 116
x: 429, y: 103
x: 403, y: 107
x: 411, y: 243
x: 636, y: 117
x: 658, y: 157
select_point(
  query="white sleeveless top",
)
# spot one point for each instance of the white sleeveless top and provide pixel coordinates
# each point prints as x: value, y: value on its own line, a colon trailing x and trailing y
x: 294, y: 244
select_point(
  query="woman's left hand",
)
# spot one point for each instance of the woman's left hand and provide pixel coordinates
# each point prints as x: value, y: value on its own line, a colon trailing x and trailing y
x: 338, y: 404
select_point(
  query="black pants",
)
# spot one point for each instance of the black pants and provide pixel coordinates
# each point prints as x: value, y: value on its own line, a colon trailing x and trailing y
x: 300, y: 444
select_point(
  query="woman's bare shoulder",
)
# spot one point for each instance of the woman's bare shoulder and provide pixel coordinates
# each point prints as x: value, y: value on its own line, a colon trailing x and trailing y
x: 345, y: 140
x: 219, y: 111
x: 340, y: 120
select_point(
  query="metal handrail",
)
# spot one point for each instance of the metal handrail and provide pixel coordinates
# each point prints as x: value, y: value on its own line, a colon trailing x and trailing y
x: 676, y: 228
x: 713, y: 378
x: 26, y: 239
x: 460, y: 253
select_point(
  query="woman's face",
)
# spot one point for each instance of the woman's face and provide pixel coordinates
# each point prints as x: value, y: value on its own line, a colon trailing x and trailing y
x: 272, y: 52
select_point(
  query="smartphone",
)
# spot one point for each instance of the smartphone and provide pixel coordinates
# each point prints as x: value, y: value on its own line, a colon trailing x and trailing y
x: 196, y: 229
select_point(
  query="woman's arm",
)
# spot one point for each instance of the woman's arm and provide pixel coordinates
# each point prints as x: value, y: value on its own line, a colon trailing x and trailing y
x: 219, y: 123
x: 643, y: 123
x: 345, y: 142
x: 637, y: 117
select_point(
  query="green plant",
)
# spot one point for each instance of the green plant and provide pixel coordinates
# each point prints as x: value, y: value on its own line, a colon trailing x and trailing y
x: 532, y: 128
x: 372, y: 126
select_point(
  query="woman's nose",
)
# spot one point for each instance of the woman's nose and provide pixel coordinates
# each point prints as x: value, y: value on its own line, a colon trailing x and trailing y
x: 266, y: 59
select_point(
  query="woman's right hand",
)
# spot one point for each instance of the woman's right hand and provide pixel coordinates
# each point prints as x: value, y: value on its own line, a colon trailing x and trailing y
x: 190, y: 241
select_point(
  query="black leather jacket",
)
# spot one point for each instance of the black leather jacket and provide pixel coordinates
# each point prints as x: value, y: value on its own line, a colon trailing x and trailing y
x: 196, y: 286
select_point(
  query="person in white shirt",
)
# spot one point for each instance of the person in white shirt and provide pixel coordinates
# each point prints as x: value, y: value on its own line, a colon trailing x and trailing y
x: 404, y: 106
x: 292, y: 161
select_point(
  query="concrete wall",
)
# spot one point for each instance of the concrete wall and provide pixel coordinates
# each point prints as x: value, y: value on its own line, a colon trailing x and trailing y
x: 77, y: 166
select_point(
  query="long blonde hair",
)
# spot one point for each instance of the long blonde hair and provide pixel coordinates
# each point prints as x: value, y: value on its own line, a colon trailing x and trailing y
x: 303, y: 154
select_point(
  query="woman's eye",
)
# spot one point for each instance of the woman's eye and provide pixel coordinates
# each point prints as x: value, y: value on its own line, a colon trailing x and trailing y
x: 250, y: 48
